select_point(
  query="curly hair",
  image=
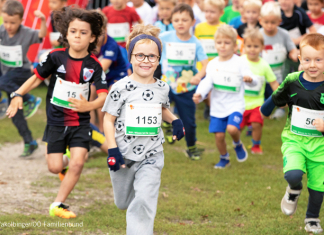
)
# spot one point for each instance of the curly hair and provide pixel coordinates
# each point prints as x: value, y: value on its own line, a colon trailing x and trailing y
x: 63, y: 18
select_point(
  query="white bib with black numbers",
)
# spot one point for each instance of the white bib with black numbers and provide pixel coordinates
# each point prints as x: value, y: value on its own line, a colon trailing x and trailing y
x: 143, y: 119
x: 227, y: 81
x: 63, y: 90
x: 118, y: 31
x: 302, y: 121
x: 54, y: 36
x: 11, y: 56
x: 180, y: 53
x: 275, y: 59
x: 255, y: 90
x: 209, y: 47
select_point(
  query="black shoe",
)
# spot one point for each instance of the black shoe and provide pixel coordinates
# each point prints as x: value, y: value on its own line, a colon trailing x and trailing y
x: 29, y: 149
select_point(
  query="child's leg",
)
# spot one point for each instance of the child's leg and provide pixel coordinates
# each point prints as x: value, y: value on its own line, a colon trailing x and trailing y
x: 142, y: 210
x: 294, y: 179
x: 314, y: 203
x: 221, y: 143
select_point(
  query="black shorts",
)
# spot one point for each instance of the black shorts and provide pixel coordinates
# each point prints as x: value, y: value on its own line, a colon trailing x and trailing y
x: 59, y: 137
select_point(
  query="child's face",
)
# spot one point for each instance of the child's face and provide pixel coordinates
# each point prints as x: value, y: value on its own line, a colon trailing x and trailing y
x: 56, y: 5
x: 11, y: 23
x: 225, y: 46
x: 165, y: 10
x: 182, y: 22
x: 253, y: 48
x: 241, y: 7
x: 212, y: 13
x: 79, y: 35
x: 137, y: 2
x: 312, y: 61
x: 118, y: 4
x: 189, y: 2
x: 315, y: 6
x: 286, y: 5
x: 235, y: 3
x: 252, y: 14
x: 145, y: 68
x: 270, y: 23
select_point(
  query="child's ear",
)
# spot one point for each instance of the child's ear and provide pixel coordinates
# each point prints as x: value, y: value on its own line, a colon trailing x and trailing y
x: 299, y: 58
x: 93, y: 38
x: 193, y: 22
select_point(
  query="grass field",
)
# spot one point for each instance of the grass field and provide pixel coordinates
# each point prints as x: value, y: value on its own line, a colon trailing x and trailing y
x: 194, y: 197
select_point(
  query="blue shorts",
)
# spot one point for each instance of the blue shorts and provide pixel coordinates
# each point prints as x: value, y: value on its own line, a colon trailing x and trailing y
x: 220, y: 124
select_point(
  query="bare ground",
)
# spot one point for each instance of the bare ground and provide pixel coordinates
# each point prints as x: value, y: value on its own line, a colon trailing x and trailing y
x: 26, y: 185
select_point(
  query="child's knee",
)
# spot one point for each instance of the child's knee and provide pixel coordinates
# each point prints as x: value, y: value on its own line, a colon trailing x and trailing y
x: 294, y: 177
x: 121, y: 204
x: 232, y: 130
x: 220, y: 136
x: 55, y: 169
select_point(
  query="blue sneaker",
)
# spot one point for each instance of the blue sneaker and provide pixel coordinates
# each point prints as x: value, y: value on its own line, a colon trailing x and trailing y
x: 223, y: 162
x: 3, y: 108
x: 29, y: 149
x: 241, y: 153
x: 31, y: 106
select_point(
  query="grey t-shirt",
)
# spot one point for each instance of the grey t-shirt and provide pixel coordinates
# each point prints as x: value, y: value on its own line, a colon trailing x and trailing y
x: 279, y: 46
x: 25, y: 37
x: 126, y: 90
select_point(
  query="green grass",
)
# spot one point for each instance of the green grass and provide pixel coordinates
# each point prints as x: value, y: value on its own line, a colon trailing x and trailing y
x: 194, y: 197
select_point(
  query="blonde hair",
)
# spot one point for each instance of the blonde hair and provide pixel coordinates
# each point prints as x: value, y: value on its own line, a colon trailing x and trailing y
x: 271, y: 8
x: 144, y: 29
x: 220, y: 4
x: 174, y: 2
x: 248, y: 3
x: 227, y: 31
x: 253, y: 33
x: 315, y: 40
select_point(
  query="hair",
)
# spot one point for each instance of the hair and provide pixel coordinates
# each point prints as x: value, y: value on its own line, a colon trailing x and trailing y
x: 315, y: 40
x: 220, y: 4
x: 271, y: 8
x: 321, y: 1
x: 227, y: 31
x: 174, y: 2
x: 144, y: 29
x: 105, y: 20
x: 64, y: 17
x: 183, y: 7
x: 248, y: 3
x: 13, y: 7
x: 253, y: 33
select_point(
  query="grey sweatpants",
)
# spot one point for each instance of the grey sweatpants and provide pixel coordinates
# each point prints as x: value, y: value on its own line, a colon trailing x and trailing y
x: 137, y: 189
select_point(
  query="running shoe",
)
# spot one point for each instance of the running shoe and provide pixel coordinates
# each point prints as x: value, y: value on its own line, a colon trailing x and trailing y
x: 3, y: 108
x: 279, y: 113
x: 313, y: 226
x: 61, y: 211
x: 223, y: 163
x: 63, y: 172
x: 241, y: 153
x: 31, y: 106
x: 168, y: 133
x: 249, y: 131
x: 256, y: 149
x: 29, y: 149
x: 289, y: 201
x: 194, y: 153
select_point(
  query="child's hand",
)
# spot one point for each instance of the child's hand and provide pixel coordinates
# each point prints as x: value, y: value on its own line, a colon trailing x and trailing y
x: 319, y: 124
x: 79, y: 105
x: 247, y: 79
x: 195, y: 80
x: 39, y: 14
x: 15, y: 104
x: 196, y: 98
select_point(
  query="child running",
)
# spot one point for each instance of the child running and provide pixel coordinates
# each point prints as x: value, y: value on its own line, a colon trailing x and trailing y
x: 73, y: 69
x: 302, y: 137
x: 134, y: 108
x: 254, y: 96
x: 227, y: 74
x: 15, y: 66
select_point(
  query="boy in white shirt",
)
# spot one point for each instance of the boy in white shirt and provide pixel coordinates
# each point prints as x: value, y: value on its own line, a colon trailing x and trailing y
x: 144, y: 10
x: 226, y: 76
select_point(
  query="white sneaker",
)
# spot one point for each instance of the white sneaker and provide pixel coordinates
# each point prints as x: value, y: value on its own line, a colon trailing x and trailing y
x: 313, y: 226
x: 289, y: 201
x: 279, y: 113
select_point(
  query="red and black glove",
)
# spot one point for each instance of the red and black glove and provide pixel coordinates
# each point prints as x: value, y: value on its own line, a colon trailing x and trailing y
x: 114, y: 159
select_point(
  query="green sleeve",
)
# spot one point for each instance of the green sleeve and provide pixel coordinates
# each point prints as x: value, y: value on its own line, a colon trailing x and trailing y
x: 281, y: 96
x: 225, y: 15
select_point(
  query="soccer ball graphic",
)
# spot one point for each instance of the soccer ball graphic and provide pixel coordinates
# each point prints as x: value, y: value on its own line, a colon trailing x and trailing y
x: 119, y: 125
x: 118, y: 111
x: 150, y: 153
x: 148, y: 95
x: 138, y: 149
x: 129, y: 138
x: 115, y: 95
x: 161, y: 84
x: 162, y: 140
x: 130, y: 86
x: 155, y: 138
x: 111, y: 161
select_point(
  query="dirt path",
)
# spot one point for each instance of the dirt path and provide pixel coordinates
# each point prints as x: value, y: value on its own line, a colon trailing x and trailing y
x: 20, y: 190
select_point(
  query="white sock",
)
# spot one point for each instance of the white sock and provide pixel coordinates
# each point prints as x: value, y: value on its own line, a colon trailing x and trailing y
x: 56, y: 203
x: 66, y: 161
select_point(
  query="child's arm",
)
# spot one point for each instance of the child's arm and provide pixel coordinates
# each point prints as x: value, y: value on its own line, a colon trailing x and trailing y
x: 17, y: 102
x: 167, y: 115
x: 293, y: 55
x: 197, y: 78
x: 274, y: 85
x: 203, y: 89
x: 43, y: 30
x: 105, y: 63
x: 178, y: 129
x: 85, y: 106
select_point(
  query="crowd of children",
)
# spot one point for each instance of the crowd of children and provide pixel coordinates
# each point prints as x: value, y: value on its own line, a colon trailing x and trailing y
x: 242, y: 60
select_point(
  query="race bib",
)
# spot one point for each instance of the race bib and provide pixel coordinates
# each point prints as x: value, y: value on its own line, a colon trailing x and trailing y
x: 294, y: 33
x: 209, y: 47
x: 227, y: 82
x: 180, y: 53
x: 275, y: 59
x: 63, y: 90
x: 302, y: 121
x: 54, y: 36
x: 11, y: 56
x: 255, y: 90
x: 143, y: 119
x: 118, y: 31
